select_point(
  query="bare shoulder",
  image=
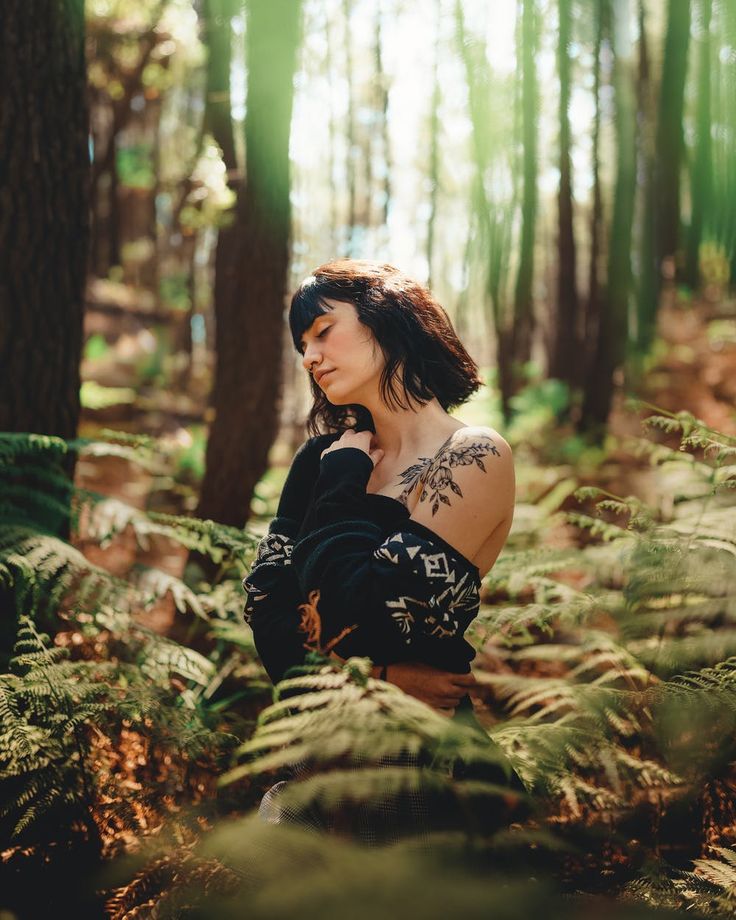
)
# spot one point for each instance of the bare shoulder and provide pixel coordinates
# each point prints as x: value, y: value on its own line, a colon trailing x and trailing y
x: 476, y: 441
x: 468, y: 489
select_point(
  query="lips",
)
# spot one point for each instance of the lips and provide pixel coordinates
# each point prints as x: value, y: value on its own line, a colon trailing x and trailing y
x: 318, y: 377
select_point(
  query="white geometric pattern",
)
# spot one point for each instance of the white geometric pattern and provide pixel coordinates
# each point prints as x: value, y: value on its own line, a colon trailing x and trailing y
x: 430, y: 610
x: 273, y: 550
x: 274, y: 547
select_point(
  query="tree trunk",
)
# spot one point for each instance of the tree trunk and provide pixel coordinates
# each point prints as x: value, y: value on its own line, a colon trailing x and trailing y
x: 44, y: 170
x: 252, y: 262
x: 383, y: 87
x: 218, y: 16
x: 593, y: 307
x: 702, y: 172
x: 648, y: 282
x: 669, y: 127
x: 434, y: 145
x: 563, y: 362
x: 523, y: 325
x: 613, y: 326
x: 350, y: 169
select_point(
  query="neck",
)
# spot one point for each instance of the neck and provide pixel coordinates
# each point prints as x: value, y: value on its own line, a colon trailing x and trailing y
x: 408, y: 432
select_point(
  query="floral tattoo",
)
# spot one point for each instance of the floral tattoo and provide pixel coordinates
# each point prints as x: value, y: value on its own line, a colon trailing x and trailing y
x: 434, y: 474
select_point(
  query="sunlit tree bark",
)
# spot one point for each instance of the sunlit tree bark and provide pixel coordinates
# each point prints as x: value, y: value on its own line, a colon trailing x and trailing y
x: 251, y: 284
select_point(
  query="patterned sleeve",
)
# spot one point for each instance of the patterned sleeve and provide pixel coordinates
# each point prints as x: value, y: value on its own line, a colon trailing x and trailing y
x: 272, y: 592
x: 272, y: 601
x: 408, y: 596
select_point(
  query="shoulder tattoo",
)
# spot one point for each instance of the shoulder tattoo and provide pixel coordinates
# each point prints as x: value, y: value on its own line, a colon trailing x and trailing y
x: 435, y: 474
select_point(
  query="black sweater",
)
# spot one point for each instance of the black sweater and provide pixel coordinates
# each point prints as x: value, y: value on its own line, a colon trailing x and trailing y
x: 397, y: 589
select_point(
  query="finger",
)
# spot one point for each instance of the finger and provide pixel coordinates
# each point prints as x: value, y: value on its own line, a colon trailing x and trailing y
x: 464, y: 680
x: 447, y: 698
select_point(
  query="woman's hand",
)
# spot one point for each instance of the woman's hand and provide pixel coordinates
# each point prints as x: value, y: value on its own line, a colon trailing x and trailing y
x: 442, y: 690
x: 360, y: 439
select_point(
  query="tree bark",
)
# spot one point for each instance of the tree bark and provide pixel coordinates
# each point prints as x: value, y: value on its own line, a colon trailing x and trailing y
x: 350, y: 165
x: 702, y: 171
x: 593, y: 307
x: 217, y: 20
x: 648, y: 283
x: 612, y: 334
x: 44, y: 170
x: 250, y: 284
x: 434, y: 145
x: 523, y: 326
x: 669, y: 127
x: 563, y: 363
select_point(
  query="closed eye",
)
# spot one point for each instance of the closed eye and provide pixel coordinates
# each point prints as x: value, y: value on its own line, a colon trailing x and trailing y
x: 319, y: 335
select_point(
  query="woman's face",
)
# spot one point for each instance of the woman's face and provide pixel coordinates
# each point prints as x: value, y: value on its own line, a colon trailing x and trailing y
x: 339, y: 343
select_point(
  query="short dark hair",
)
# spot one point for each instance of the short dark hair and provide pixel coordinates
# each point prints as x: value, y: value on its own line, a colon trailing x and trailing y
x: 411, y: 328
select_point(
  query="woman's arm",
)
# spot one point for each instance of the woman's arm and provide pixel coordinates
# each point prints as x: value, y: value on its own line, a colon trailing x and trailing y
x: 272, y: 591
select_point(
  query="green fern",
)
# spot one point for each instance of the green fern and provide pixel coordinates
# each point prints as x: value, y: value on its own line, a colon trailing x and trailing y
x: 51, y: 707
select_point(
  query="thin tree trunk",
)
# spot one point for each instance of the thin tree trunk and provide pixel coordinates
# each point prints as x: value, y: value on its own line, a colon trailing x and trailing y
x: 523, y: 324
x: 669, y: 127
x: 217, y: 18
x: 385, y: 140
x: 614, y: 314
x: 493, y: 222
x: 563, y: 363
x: 702, y: 172
x: 648, y: 283
x: 349, y: 130
x: 250, y: 288
x: 434, y: 147
x: 592, y: 314
x: 333, y: 185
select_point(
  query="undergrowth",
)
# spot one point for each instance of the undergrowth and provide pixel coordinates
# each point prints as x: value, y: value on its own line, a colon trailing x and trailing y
x: 607, y: 666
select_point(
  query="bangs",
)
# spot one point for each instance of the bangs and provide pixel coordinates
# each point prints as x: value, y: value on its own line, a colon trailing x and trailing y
x: 306, y: 305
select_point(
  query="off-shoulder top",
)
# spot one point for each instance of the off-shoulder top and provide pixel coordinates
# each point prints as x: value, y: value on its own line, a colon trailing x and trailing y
x: 362, y: 577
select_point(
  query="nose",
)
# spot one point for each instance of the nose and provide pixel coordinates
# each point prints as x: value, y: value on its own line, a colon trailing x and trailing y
x: 311, y: 356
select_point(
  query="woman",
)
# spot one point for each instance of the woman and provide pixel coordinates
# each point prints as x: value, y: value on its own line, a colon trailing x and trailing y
x: 387, y: 524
